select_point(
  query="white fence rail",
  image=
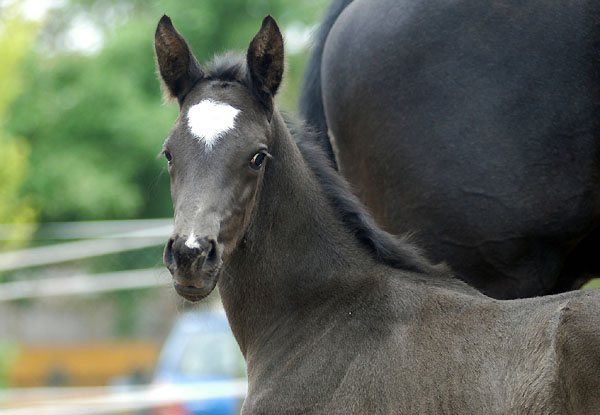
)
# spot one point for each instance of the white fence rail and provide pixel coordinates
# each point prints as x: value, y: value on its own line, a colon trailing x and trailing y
x: 99, y: 238
x: 84, y: 284
x: 86, y: 229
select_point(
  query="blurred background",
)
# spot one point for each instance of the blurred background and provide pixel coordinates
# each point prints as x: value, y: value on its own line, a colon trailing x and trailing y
x: 86, y: 307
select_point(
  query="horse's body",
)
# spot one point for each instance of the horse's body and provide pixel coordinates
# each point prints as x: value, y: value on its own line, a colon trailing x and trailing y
x: 474, y: 124
x: 333, y: 315
x: 434, y: 351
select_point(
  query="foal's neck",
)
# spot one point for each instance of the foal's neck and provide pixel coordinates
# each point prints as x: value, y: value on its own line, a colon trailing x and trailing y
x: 297, y: 253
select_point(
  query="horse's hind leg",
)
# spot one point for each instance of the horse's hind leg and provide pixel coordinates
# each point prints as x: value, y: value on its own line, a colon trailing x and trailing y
x: 578, y: 353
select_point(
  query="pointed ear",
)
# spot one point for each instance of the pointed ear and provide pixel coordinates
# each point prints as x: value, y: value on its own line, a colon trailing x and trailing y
x: 179, y: 69
x: 265, y: 61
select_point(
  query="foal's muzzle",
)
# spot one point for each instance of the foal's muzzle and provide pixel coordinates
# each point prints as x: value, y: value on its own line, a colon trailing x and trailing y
x: 194, y: 264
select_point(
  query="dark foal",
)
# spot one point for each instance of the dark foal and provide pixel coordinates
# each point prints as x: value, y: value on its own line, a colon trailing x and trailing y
x: 475, y: 125
x: 332, y: 314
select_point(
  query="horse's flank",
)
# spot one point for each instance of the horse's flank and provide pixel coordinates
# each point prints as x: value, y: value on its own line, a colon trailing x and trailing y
x: 475, y: 125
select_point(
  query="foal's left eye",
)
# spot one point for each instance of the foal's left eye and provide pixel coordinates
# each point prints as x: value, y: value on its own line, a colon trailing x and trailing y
x: 257, y: 160
x: 168, y: 156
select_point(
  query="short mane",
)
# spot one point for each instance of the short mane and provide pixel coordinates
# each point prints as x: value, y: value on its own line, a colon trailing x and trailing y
x: 228, y: 66
x: 398, y: 252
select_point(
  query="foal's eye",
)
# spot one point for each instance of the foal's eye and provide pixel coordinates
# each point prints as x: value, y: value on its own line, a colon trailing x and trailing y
x: 168, y: 156
x: 257, y: 160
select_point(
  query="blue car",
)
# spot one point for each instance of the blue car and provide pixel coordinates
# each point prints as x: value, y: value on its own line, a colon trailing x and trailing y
x: 203, y: 367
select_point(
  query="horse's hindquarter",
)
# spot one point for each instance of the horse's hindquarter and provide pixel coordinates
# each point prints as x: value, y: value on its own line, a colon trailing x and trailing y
x: 474, y: 124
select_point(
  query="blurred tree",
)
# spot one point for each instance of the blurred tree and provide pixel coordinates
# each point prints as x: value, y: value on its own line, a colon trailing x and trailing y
x: 16, y: 36
x: 93, y: 117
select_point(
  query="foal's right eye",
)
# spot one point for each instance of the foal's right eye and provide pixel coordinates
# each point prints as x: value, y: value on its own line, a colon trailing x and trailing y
x: 257, y: 160
x: 168, y: 156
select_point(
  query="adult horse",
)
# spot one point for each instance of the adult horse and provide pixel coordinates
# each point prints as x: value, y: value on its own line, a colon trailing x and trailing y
x: 474, y: 124
x: 332, y: 314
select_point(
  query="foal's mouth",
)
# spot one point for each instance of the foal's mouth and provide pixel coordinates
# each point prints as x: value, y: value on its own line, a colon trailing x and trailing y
x: 198, y: 287
x: 192, y: 293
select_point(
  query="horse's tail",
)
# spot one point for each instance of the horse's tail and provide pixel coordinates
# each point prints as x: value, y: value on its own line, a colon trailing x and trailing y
x: 311, y: 100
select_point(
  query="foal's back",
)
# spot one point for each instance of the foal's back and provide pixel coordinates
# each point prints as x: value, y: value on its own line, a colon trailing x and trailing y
x: 429, y: 346
x: 462, y: 353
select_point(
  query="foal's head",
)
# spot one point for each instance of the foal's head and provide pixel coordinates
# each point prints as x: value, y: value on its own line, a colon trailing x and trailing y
x: 217, y: 150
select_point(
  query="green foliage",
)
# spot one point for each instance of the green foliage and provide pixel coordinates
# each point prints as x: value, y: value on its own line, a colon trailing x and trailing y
x: 95, y: 132
x: 95, y: 122
x: 592, y: 284
x: 15, y: 37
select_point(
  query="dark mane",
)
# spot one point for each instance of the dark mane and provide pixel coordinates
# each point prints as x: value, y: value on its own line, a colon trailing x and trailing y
x: 396, y: 251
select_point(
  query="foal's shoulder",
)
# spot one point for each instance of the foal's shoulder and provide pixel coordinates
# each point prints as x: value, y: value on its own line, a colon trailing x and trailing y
x: 580, y: 314
x: 577, y: 346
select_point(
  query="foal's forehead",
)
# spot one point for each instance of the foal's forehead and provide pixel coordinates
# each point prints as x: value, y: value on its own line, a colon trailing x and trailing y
x: 219, y: 111
x: 209, y: 120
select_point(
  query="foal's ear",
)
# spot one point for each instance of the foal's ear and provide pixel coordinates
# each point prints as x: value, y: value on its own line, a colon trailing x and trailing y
x: 178, y: 67
x: 265, y: 61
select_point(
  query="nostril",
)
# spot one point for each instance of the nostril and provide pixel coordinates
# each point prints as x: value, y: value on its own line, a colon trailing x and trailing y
x: 212, y: 250
x: 212, y: 253
x: 168, y: 254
